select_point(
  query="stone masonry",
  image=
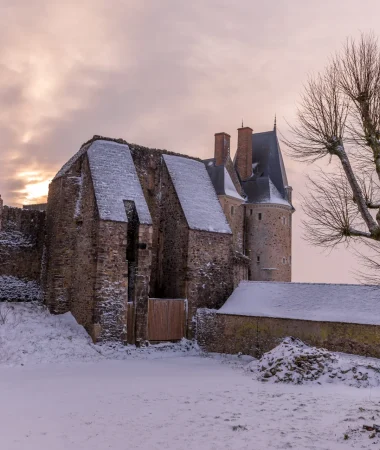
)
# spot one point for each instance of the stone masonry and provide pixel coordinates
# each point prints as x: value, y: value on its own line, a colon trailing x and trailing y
x: 124, y: 224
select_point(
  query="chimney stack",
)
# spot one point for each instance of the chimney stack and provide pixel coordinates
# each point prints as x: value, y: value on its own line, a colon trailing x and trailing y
x: 244, y: 153
x: 222, y: 148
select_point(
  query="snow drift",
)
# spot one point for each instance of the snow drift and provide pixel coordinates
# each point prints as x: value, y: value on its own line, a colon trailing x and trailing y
x: 295, y: 362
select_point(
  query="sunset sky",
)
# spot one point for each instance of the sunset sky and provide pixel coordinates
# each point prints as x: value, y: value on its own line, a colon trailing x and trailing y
x: 165, y: 74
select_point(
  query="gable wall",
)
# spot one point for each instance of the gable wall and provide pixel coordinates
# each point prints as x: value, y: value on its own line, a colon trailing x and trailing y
x: 148, y: 165
x: 70, y: 243
x: 210, y: 278
x: 84, y: 256
x: 170, y: 230
x: 172, y: 243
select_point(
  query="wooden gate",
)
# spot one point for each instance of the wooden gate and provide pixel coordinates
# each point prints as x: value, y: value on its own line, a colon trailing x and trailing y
x: 166, y: 319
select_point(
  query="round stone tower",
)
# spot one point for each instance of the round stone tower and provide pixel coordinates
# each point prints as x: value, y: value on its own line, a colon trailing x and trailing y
x: 269, y: 241
x: 268, y: 205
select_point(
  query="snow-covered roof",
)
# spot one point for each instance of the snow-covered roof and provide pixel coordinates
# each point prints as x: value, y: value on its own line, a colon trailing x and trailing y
x: 266, y: 153
x: 229, y: 187
x: 196, y: 194
x: 115, y: 179
x: 348, y: 303
x: 263, y: 190
x: 274, y: 195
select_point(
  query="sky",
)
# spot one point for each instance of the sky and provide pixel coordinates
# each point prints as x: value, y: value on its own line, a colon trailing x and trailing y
x: 165, y: 74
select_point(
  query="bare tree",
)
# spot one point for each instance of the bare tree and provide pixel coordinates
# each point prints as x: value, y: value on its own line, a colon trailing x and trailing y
x: 339, y: 119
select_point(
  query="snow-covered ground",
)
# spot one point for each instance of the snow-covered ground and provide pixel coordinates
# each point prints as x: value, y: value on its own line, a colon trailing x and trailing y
x: 60, y: 392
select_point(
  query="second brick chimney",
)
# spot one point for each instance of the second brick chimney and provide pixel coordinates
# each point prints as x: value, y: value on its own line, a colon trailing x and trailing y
x: 243, y: 162
x: 222, y: 148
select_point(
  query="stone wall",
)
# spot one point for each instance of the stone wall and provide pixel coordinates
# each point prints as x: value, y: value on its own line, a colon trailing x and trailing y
x: 256, y: 335
x: 162, y: 202
x: 21, y: 243
x: 210, y: 278
x: 269, y: 242
x: 84, y: 258
x: 172, y: 244
x: 111, y: 285
x: 234, y: 212
x: 142, y: 282
x: 61, y: 234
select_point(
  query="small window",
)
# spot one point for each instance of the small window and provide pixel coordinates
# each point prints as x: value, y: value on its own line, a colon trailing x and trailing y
x: 250, y: 212
x: 260, y: 216
x: 283, y: 220
x: 232, y: 210
x: 258, y: 258
x: 283, y: 260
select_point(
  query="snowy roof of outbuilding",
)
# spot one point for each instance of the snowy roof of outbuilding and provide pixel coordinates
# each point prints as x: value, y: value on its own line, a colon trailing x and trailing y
x: 196, y: 194
x: 347, y: 303
x: 115, y: 179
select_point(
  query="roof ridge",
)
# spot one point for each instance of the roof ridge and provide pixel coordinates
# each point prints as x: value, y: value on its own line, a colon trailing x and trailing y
x: 264, y: 132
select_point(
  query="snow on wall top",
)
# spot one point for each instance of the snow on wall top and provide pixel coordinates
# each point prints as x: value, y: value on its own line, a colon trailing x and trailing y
x: 196, y: 194
x: 17, y: 289
x: 115, y: 180
x: 15, y: 239
x: 71, y: 161
x: 347, y: 303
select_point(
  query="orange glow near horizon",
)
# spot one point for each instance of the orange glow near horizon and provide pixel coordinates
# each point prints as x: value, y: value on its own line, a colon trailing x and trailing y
x: 36, y: 187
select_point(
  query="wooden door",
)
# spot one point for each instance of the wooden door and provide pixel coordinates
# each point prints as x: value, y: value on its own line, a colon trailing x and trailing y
x: 166, y: 319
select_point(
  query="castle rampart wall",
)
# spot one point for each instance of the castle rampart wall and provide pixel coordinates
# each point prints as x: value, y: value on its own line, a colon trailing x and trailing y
x: 21, y: 243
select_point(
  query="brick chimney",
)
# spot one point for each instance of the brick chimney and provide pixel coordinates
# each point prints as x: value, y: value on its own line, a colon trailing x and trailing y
x: 222, y: 148
x: 244, y: 153
x: 1, y: 212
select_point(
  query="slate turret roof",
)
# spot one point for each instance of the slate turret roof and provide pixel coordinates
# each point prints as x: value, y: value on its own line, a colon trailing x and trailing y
x: 268, y: 182
x: 221, y: 179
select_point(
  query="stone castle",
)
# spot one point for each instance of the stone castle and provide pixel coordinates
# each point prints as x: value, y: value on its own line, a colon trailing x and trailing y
x: 126, y: 227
